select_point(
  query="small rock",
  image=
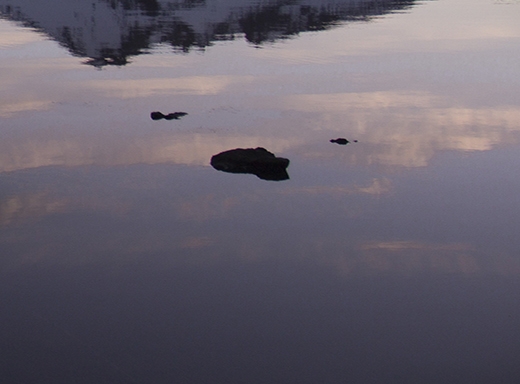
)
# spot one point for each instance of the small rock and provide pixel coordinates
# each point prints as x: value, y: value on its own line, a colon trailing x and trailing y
x: 170, y: 116
x: 156, y: 116
x: 342, y: 141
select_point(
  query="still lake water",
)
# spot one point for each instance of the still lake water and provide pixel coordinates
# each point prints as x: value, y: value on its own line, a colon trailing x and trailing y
x: 126, y: 258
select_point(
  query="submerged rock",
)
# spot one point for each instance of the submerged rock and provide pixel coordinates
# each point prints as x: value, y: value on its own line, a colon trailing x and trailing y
x: 342, y: 141
x: 256, y: 161
x: 169, y: 116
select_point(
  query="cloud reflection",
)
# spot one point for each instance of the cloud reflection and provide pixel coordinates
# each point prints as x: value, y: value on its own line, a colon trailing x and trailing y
x: 376, y: 187
x: 189, y: 149
x: 173, y: 219
x: 195, y: 85
x: 409, y: 128
x: 399, y: 136
x: 11, y: 108
x: 16, y: 209
x: 11, y: 37
x: 414, y: 256
x: 395, y: 128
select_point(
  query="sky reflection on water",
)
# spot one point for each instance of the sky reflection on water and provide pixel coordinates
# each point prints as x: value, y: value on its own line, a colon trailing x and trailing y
x: 125, y: 257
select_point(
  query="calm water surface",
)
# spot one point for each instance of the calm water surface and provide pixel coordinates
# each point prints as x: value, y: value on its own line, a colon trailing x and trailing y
x: 126, y: 258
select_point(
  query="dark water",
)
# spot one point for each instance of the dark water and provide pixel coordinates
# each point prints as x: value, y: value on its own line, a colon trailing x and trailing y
x: 125, y: 257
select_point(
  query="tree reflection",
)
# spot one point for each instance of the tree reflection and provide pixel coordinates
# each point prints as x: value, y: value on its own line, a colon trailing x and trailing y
x: 108, y: 32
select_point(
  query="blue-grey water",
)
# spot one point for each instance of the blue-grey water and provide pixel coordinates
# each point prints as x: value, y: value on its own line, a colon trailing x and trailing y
x: 126, y: 257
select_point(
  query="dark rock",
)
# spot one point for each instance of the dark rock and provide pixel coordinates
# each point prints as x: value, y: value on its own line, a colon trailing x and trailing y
x: 169, y: 116
x: 156, y: 116
x: 257, y: 161
x: 342, y: 141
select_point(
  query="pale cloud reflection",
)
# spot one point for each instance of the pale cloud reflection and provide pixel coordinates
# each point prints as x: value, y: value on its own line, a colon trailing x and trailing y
x: 416, y: 257
x: 433, y: 109
x: 413, y: 256
x: 375, y: 187
x: 387, y: 258
x: 413, y: 245
x: 188, y: 149
x: 10, y: 108
x: 395, y: 128
x: 17, y: 38
x: 410, y: 257
x: 347, y: 255
x: 16, y: 209
x: 337, y: 102
x: 409, y: 128
x: 190, y: 85
x: 12, y: 36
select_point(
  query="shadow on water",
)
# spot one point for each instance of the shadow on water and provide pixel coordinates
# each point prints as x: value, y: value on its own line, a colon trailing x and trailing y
x: 257, y: 161
x: 108, y: 32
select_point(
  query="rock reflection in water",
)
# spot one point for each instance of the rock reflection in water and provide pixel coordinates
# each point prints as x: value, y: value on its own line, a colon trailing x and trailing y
x: 257, y: 161
x: 109, y: 32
